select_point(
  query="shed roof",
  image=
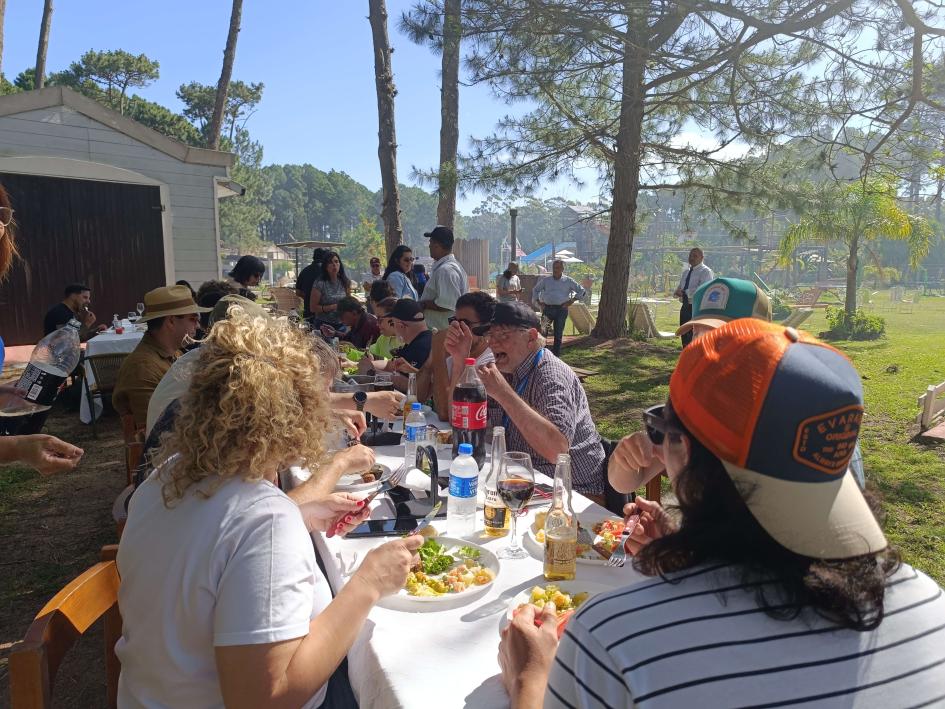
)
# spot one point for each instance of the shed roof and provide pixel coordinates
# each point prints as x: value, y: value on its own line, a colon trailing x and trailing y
x: 62, y: 96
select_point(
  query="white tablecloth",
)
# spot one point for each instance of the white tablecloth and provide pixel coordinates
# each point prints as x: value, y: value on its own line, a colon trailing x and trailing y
x: 444, y: 658
x: 105, y: 343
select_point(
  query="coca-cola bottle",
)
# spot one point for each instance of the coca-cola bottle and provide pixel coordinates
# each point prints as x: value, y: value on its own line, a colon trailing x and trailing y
x: 469, y: 413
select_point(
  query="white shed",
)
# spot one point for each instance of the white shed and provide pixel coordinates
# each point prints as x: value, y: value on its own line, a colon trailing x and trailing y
x: 102, y: 199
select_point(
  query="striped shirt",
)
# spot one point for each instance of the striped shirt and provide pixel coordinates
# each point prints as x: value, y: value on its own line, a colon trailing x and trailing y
x: 704, y: 642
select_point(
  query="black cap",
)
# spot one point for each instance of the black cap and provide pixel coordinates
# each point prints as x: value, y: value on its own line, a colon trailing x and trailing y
x: 441, y: 234
x: 408, y: 310
x: 515, y: 315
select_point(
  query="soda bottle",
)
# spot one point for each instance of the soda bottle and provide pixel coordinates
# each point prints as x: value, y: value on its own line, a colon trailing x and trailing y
x: 53, y: 359
x: 469, y: 413
x: 411, y: 397
x: 495, y: 513
x: 415, y: 430
x: 464, y: 479
x: 561, y: 527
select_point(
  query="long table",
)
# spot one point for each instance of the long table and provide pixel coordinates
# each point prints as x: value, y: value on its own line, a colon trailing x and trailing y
x: 443, y: 658
x: 105, y: 343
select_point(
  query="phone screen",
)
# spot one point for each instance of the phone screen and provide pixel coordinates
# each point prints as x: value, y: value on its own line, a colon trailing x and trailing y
x: 384, y: 527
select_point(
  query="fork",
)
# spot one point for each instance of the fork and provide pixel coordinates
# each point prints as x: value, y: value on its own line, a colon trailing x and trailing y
x: 395, y: 479
x: 619, y: 556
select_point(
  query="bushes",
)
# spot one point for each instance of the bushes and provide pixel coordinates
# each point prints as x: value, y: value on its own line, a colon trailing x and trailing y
x: 779, y: 309
x: 861, y: 326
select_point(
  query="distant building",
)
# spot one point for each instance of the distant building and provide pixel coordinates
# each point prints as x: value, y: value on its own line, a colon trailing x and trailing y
x: 583, y: 226
x: 104, y: 200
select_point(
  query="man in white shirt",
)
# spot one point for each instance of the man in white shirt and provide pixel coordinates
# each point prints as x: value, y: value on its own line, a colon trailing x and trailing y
x: 447, y: 281
x: 691, y: 279
x: 554, y: 294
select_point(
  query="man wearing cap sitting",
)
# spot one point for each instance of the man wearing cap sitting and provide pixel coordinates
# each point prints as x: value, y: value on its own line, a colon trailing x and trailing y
x: 171, y: 315
x: 411, y: 327
x: 634, y: 462
x: 447, y: 281
x: 540, y: 400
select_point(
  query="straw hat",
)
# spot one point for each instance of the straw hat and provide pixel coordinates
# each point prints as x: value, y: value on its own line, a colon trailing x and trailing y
x: 169, y: 300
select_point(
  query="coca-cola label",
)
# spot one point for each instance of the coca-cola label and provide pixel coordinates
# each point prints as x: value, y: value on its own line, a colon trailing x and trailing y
x: 41, y: 387
x: 469, y: 414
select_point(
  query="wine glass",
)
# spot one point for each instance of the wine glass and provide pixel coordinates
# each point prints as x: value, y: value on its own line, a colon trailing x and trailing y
x: 132, y: 317
x: 140, y: 308
x: 515, y: 483
x: 384, y: 381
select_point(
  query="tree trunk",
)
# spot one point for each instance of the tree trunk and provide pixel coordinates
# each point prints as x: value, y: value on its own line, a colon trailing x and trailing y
x: 3, y: 12
x: 612, y: 314
x: 849, y: 305
x: 40, y: 76
x: 386, y: 135
x: 449, y: 112
x: 223, y: 86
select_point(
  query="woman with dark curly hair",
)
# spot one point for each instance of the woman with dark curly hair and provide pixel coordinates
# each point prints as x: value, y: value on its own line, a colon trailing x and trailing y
x: 327, y: 291
x: 773, y: 584
x: 246, y: 274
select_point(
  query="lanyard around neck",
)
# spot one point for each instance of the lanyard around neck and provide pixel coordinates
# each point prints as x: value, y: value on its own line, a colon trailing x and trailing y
x: 520, y: 389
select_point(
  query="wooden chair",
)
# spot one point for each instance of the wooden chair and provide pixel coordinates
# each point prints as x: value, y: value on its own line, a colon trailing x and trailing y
x: 134, y: 445
x: 104, y: 369
x: 286, y: 299
x: 581, y: 318
x: 641, y: 320
x: 35, y: 661
x: 797, y: 317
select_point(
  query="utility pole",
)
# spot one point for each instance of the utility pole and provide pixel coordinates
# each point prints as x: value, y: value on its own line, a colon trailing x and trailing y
x: 513, y: 214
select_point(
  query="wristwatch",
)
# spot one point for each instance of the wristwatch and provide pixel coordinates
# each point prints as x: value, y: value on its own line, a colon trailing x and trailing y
x: 360, y: 399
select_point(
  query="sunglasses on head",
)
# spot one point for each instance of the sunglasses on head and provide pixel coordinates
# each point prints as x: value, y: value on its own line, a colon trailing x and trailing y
x: 657, y: 427
x: 477, y: 329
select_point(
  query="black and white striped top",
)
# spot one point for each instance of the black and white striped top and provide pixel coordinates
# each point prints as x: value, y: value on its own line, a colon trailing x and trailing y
x: 704, y: 642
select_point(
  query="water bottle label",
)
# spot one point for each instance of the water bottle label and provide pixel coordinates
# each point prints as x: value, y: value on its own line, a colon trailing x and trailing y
x: 469, y: 414
x: 414, y: 433
x: 463, y: 487
x: 41, y: 387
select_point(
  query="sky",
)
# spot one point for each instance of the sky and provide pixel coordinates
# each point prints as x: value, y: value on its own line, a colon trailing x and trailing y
x: 315, y: 58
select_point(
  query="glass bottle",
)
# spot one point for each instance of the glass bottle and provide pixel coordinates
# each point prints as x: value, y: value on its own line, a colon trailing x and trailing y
x: 561, y: 527
x: 495, y: 513
x: 411, y: 396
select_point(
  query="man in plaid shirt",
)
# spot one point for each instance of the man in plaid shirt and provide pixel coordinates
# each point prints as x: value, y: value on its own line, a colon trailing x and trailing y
x: 540, y: 400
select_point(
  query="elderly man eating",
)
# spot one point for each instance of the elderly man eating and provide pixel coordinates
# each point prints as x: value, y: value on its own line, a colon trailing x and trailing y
x: 539, y: 400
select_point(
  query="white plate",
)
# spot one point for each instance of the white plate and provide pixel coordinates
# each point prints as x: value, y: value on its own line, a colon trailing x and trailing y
x: 587, y: 521
x: 420, y: 604
x: 352, y: 482
x: 570, y: 587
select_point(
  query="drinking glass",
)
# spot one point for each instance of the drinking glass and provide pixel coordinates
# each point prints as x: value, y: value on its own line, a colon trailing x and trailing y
x: 515, y: 483
x: 140, y: 308
x: 384, y: 381
x: 132, y: 317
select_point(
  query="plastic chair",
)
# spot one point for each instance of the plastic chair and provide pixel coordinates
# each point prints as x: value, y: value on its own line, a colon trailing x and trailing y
x: 104, y: 369
x: 34, y: 662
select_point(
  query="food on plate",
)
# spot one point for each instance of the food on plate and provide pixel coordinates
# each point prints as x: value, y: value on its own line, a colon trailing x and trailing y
x: 606, y: 537
x: 429, y: 531
x: 444, y: 437
x: 375, y: 472
x: 440, y: 573
x: 565, y: 603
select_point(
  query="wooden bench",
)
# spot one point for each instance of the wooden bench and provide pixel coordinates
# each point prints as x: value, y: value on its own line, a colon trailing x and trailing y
x: 35, y: 660
x: 931, y: 409
x: 641, y: 320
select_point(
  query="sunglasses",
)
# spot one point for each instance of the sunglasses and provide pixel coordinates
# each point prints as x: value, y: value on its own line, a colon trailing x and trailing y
x: 6, y: 216
x: 477, y: 328
x: 658, y: 428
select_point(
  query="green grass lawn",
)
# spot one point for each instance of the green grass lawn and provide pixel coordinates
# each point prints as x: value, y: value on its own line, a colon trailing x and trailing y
x: 910, y: 476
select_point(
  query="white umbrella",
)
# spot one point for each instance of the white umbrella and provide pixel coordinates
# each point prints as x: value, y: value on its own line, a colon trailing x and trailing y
x: 564, y: 252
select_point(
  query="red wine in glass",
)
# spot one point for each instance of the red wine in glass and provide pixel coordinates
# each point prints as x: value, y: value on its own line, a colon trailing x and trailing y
x: 516, y: 492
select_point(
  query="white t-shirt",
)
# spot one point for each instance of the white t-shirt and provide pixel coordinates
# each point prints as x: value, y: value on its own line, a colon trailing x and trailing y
x: 237, y: 568
x: 482, y: 359
x: 447, y: 283
x: 661, y: 645
x: 173, y: 385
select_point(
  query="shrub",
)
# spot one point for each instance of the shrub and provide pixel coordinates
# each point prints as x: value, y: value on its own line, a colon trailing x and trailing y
x: 861, y: 326
x: 779, y: 309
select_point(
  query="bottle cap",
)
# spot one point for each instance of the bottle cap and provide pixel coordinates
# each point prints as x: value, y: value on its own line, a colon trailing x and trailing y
x: 465, y: 449
x: 415, y: 406
x: 470, y: 361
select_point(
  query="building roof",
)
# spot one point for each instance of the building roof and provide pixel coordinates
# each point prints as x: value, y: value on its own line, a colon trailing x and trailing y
x: 62, y: 96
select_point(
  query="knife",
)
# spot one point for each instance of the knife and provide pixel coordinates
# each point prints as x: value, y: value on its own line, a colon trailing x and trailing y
x: 426, y: 520
x: 344, y: 519
x: 585, y: 537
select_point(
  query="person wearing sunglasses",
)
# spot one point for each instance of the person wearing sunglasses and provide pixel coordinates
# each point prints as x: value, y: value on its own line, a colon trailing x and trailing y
x: 540, y: 401
x: 774, y: 584
x: 467, y: 336
x: 399, y: 273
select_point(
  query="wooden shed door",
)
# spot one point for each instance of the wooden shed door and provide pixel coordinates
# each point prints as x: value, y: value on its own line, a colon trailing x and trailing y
x: 107, y: 235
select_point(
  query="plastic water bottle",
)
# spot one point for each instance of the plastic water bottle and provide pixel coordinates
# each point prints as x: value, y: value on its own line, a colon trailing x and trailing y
x: 53, y: 358
x: 415, y: 433
x: 464, y: 479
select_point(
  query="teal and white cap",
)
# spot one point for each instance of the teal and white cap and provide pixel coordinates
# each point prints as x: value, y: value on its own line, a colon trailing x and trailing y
x: 725, y: 299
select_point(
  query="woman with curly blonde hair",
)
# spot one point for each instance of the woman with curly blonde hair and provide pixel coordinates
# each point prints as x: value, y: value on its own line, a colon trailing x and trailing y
x: 222, y: 600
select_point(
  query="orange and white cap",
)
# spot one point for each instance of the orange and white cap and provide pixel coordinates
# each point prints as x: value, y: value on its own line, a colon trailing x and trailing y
x: 782, y: 411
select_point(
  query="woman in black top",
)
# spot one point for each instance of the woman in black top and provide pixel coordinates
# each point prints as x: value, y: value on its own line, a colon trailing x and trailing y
x: 247, y: 272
